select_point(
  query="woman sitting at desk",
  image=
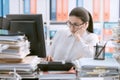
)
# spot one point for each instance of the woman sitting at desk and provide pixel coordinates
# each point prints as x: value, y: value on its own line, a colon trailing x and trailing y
x: 77, y: 41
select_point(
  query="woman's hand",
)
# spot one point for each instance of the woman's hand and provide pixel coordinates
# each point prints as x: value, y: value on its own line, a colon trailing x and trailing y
x: 49, y: 58
x: 79, y: 33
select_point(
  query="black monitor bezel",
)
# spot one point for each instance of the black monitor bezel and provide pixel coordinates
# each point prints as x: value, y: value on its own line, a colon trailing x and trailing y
x: 39, y: 22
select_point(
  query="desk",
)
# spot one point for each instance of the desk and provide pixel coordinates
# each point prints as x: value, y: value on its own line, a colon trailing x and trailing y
x: 67, y: 76
x: 89, y: 63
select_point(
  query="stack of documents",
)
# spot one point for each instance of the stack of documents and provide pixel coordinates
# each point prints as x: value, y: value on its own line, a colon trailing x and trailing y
x: 116, y: 42
x: 27, y: 64
x: 25, y: 68
x: 13, y: 47
x: 92, y: 68
x: 59, y: 75
x: 116, y: 34
x: 13, y: 56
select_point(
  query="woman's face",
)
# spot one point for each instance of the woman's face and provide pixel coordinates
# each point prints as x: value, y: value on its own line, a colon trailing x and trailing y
x: 75, y: 24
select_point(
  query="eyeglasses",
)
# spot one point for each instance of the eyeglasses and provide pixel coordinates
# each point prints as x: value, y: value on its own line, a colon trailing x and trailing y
x: 73, y: 25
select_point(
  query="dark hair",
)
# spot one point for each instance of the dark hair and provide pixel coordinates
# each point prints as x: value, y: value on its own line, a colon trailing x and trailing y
x: 84, y: 15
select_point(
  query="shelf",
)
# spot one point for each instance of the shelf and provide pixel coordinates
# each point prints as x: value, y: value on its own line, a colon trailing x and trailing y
x: 58, y: 22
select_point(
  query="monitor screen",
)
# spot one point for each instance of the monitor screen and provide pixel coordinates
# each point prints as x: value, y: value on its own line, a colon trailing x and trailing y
x: 32, y: 26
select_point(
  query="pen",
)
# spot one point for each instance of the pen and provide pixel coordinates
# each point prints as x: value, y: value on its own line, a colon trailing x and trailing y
x: 96, y: 50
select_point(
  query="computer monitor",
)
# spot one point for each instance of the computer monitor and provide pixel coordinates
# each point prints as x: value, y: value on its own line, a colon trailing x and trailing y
x: 1, y: 22
x: 32, y: 26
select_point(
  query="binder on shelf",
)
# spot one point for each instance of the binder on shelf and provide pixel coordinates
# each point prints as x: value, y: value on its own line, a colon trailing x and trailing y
x: 26, y: 6
x: 96, y: 10
x: 88, y: 4
x: 53, y: 10
x: 5, y: 7
x: 62, y: 10
x: 59, y: 10
x: 65, y: 10
x: 33, y: 6
x: 79, y: 3
x: 1, y: 8
x: 14, y: 6
x: 106, y: 10
x: 71, y: 5
x: 114, y: 10
x: 42, y: 8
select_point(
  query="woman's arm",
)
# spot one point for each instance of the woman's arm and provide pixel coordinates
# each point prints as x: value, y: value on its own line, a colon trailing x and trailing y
x: 87, y: 45
x: 50, y: 52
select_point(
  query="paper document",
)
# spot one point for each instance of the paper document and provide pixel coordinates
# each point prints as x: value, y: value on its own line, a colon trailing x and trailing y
x: 28, y: 63
x: 107, y: 63
x: 92, y: 78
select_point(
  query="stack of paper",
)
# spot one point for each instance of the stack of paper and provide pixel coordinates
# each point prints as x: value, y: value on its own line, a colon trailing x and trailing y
x: 59, y: 75
x: 116, y: 34
x: 13, y: 56
x: 28, y: 63
x: 17, y: 47
x: 12, y: 37
x: 26, y: 68
x: 90, y: 67
x: 116, y: 42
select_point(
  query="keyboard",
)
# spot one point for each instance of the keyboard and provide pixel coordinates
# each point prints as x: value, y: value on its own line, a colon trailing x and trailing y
x: 55, y: 66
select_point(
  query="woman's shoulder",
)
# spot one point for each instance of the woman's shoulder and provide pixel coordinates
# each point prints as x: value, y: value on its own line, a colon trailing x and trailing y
x: 93, y: 36
x: 63, y: 32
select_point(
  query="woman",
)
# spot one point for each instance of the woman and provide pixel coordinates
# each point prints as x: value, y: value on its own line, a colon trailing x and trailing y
x: 77, y: 41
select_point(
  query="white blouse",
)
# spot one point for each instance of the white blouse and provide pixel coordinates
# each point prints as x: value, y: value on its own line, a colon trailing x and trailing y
x: 66, y: 47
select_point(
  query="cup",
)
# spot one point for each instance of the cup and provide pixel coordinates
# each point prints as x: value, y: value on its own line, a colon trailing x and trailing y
x: 99, y: 51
